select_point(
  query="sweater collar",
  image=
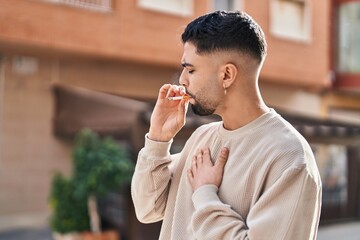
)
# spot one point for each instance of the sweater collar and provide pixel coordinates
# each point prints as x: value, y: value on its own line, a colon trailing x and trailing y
x: 248, y: 128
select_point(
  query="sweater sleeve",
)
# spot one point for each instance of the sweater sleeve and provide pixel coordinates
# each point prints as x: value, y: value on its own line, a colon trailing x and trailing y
x: 289, y: 209
x: 151, y: 180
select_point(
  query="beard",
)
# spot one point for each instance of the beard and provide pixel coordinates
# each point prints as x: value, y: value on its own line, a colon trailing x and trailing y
x: 201, y: 110
x: 202, y: 106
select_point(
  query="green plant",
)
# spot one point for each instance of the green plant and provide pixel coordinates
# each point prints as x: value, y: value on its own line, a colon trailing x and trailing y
x: 100, y: 166
x: 70, y: 213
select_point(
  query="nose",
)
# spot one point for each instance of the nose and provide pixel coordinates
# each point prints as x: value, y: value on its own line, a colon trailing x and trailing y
x: 183, y: 79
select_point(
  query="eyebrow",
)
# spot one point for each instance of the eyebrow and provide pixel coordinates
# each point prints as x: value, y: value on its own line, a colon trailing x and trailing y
x: 185, y: 64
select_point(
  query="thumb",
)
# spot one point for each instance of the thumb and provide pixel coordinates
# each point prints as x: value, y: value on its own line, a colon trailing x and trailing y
x: 222, y: 158
x: 182, y: 109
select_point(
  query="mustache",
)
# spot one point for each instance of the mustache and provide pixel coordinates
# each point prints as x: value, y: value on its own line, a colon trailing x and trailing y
x: 190, y: 94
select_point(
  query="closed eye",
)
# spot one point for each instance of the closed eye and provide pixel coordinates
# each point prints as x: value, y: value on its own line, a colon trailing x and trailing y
x: 189, y: 67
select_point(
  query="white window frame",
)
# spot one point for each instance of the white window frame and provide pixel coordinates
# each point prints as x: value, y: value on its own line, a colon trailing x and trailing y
x: 95, y: 5
x: 237, y: 5
x: 304, y: 36
x: 177, y: 7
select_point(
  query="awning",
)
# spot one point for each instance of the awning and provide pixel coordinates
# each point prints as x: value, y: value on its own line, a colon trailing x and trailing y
x: 78, y: 108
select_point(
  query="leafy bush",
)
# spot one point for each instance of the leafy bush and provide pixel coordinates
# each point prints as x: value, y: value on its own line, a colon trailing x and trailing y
x: 70, y: 213
x: 100, y: 166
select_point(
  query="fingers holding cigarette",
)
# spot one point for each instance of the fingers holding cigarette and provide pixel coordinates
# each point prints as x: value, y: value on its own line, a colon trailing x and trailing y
x: 174, y: 91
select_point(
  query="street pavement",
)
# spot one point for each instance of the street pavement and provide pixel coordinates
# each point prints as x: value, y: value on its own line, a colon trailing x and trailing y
x: 27, y: 234
x: 344, y: 231
x: 341, y: 231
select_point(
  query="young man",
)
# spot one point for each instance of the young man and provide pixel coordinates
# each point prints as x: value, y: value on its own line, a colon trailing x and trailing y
x: 250, y: 176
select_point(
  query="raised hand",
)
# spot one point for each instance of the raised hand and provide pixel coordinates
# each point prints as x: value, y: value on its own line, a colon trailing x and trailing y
x: 203, y: 171
x: 168, y: 117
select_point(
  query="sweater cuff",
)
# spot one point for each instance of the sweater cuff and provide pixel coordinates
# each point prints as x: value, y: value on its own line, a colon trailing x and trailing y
x: 157, y: 149
x: 204, y: 195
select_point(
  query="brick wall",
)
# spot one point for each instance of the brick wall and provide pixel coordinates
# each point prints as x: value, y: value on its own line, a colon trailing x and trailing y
x: 29, y: 153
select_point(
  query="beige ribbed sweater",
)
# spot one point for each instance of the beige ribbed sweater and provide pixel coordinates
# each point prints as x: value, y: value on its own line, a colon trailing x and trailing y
x: 271, y: 187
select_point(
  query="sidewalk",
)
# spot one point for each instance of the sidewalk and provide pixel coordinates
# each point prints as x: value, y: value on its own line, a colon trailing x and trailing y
x: 27, y: 234
x: 25, y: 226
x: 343, y: 231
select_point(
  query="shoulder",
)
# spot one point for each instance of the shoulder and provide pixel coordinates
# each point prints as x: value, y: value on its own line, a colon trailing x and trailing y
x: 288, y: 141
x: 289, y: 150
x: 281, y: 135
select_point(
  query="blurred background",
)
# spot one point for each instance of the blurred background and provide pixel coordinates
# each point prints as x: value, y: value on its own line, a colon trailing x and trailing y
x: 70, y: 64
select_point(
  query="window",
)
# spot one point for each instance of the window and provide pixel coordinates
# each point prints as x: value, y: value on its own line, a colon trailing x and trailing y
x: 178, y: 7
x: 290, y: 19
x: 97, y: 5
x: 228, y: 5
x: 349, y: 38
x: 332, y: 163
x: 25, y: 65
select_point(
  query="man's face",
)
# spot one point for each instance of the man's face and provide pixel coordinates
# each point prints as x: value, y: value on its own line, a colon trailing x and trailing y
x: 202, y: 80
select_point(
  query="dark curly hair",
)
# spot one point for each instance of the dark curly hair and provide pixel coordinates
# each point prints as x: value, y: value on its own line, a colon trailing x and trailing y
x: 221, y: 31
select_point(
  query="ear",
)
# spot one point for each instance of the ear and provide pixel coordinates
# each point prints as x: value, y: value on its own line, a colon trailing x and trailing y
x: 229, y: 73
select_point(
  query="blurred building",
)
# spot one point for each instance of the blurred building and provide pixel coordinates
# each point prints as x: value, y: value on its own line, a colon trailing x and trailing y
x: 68, y: 64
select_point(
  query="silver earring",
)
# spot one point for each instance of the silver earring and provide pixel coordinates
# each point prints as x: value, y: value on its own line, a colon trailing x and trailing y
x: 225, y: 92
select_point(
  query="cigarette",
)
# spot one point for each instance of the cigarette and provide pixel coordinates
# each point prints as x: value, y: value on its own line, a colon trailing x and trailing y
x: 179, y: 97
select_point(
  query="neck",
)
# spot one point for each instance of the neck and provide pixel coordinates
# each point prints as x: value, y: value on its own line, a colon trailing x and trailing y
x: 241, y: 109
